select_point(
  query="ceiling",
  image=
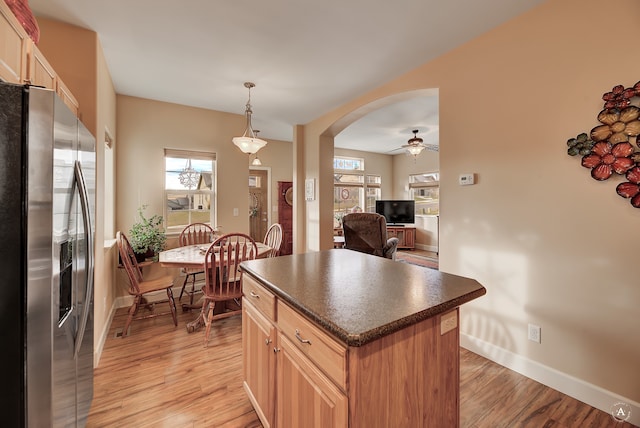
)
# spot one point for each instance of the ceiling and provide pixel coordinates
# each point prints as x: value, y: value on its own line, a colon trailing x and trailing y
x: 305, y: 57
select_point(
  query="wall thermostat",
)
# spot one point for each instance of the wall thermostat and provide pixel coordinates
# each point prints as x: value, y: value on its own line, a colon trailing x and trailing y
x: 466, y: 179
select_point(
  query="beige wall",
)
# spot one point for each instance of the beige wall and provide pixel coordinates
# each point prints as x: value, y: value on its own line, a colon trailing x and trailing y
x: 552, y: 246
x: 147, y: 127
x: 73, y: 52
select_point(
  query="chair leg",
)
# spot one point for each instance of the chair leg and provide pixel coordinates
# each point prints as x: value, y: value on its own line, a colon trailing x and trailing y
x: 172, y: 306
x: 193, y: 289
x: 208, y: 320
x: 132, y: 311
x: 184, y: 284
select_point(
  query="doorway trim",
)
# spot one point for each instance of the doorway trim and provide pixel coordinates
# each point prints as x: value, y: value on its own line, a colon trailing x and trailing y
x: 269, y: 190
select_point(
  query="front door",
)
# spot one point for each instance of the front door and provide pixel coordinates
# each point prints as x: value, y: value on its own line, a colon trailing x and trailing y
x: 258, y: 204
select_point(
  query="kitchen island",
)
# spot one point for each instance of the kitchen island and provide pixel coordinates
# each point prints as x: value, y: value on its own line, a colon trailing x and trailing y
x: 339, y: 338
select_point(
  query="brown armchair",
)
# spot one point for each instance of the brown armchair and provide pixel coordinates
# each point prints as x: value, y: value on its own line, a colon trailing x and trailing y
x: 367, y: 233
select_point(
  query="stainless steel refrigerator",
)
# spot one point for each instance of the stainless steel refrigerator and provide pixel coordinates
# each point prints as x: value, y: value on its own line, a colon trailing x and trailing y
x: 47, y: 205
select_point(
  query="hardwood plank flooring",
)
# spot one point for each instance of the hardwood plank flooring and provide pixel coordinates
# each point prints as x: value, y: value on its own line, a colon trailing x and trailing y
x: 161, y: 376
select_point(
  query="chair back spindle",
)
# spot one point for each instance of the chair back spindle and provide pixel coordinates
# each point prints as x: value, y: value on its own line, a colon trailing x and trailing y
x: 274, y: 238
x: 223, y: 275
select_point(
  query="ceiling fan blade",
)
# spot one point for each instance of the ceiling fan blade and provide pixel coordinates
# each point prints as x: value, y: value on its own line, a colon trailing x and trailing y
x: 394, y: 150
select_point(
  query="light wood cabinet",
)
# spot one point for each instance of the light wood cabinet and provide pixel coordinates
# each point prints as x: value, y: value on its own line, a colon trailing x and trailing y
x: 22, y: 62
x: 406, y: 378
x: 13, y: 47
x: 306, y: 397
x: 258, y: 340
x: 279, y: 374
x: 68, y: 98
x: 406, y: 236
x: 39, y: 71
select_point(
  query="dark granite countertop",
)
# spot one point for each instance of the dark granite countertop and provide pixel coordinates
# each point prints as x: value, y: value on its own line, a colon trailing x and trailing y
x: 357, y: 297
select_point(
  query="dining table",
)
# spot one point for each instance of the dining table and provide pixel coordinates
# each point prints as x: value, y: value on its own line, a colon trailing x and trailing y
x: 192, y: 256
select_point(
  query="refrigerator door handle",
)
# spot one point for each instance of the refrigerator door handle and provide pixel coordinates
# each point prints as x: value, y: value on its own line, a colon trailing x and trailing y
x: 86, y: 220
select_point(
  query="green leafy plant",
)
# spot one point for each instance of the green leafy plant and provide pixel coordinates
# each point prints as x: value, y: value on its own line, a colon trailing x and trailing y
x: 147, y: 234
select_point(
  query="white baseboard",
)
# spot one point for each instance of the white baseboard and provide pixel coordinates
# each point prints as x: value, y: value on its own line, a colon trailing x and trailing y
x: 586, y: 392
x: 432, y: 248
x: 103, y: 336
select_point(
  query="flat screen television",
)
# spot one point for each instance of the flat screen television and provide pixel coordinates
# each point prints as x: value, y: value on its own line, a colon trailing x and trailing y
x: 397, y: 211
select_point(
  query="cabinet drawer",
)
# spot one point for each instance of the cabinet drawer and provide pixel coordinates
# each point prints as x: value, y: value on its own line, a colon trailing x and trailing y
x: 259, y: 297
x: 328, y: 354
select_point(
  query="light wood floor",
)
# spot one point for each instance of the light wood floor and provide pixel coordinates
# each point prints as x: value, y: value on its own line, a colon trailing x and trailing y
x: 161, y: 376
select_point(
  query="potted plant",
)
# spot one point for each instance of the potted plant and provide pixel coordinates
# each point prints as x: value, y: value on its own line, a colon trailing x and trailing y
x: 147, y: 236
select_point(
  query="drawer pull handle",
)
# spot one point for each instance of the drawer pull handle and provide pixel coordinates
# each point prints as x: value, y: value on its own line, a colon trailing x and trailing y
x: 254, y: 295
x: 276, y: 350
x: 267, y: 341
x: 301, y: 339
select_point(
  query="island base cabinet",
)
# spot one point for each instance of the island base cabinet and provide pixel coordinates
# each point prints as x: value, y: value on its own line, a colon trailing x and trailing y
x: 409, y: 377
x: 306, y: 397
x: 259, y: 359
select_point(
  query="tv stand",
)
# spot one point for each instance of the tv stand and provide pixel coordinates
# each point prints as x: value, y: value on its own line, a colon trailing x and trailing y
x: 406, y: 236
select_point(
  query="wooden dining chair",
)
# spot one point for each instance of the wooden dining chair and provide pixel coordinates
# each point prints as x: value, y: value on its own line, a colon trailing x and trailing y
x: 223, y: 277
x: 274, y: 238
x: 138, y: 286
x: 195, y: 233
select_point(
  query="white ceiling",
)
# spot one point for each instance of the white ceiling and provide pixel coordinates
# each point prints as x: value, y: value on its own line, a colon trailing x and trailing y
x: 305, y: 57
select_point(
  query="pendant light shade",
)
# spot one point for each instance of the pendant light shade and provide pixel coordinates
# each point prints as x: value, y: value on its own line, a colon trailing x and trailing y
x: 249, y: 143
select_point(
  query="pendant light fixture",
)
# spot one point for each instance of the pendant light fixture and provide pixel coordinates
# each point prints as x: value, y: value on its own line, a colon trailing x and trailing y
x: 256, y: 161
x: 249, y: 143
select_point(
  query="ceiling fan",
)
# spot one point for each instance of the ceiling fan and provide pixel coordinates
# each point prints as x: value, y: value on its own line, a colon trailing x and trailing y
x: 415, y: 145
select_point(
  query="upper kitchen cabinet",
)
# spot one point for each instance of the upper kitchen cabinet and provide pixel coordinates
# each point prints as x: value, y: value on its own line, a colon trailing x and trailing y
x: 13, y: 48
x: 21, y: 61
x: 68, y: 98
x: 39, y: 71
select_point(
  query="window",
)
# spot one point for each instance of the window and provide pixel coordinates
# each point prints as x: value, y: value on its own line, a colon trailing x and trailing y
x: 353, y: 190
x: 190, y: 182
x: 373, y: 192
x: 425, y: 190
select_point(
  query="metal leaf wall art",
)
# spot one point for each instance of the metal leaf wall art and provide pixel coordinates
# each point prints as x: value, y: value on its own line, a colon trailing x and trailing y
x: 612, y: 146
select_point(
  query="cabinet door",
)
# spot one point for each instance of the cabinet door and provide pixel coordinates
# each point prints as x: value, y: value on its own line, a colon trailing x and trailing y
x: 410, y: 238
x: 305, y: 397
x: 40, y: 72
x: 13, y: 48
x: 258, y: 342
x: 63, y: 91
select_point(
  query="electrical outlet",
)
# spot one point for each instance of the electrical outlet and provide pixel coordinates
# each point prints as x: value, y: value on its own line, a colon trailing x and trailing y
x: 534, y: 333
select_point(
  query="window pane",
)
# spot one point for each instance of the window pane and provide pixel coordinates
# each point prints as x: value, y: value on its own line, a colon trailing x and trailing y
x: 429, y: 178
x: 427, y: 199
x: 189, y: 184
x: 348, y: 179
x: 373, y: 194
x: 200, y: 170
x: 346, y: 200
x: 349, y: 164
x: 255, y: 181
x: 373, y: 179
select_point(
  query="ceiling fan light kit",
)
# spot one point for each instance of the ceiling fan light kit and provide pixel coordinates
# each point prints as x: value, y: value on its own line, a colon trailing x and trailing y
x: 415, y: 145
x: 249, y: 143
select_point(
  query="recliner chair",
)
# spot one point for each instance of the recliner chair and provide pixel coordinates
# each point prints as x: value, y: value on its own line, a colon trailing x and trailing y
x: 367, y: 233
